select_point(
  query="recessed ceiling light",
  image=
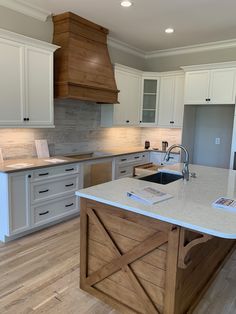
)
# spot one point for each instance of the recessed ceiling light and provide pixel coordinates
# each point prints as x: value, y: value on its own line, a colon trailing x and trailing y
x: 126, y: 3
x: 169, y: 30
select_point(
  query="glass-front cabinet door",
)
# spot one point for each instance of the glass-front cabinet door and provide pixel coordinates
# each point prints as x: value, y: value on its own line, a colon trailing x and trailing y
x: 150, y: 98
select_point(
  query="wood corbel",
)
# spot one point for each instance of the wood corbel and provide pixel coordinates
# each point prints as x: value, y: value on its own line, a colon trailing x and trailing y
x: 184, y: 248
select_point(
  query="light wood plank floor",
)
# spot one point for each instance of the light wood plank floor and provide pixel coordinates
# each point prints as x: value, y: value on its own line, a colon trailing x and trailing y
x: 40, y: 274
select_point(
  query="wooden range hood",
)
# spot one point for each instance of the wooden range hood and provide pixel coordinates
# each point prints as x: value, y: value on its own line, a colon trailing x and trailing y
x: 83, y: 68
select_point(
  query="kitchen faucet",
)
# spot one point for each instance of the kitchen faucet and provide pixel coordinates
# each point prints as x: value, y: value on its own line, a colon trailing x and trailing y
x: 185, y: 170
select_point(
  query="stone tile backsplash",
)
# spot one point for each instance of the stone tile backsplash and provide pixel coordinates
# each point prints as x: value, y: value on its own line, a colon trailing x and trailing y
x: 77, y: 129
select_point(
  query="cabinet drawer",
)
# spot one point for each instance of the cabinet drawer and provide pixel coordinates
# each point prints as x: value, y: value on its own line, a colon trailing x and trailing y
x: 45, y: 190
x: 131, y: 158
x: 53, y: 210
x: 123, y: 172
x: 50, y: 172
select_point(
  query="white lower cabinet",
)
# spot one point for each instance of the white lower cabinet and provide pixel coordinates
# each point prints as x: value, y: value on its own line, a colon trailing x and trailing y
x: 46, y: 212
x: 34, y: 198
x: 124, y: 165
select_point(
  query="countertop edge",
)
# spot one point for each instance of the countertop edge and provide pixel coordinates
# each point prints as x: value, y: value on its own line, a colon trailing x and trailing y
x: 158, y: 217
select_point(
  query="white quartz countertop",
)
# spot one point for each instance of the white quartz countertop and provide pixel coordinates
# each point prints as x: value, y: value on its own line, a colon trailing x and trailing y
x: 190, y: 206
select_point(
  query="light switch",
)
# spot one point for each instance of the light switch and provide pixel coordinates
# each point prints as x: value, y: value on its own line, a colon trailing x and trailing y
x: 217, y: 141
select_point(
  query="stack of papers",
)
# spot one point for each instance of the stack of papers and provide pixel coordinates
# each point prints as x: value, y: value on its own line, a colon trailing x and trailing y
x: 148, y: 195
x: 225, y: 203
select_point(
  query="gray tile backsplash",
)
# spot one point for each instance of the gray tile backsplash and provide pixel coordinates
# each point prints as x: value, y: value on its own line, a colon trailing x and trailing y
x: 77, y: 129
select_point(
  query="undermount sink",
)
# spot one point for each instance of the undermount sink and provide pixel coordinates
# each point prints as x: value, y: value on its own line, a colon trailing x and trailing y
x: 162, y: 177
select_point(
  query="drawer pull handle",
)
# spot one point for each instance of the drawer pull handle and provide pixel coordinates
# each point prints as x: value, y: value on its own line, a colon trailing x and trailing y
x: 43, y: 174
x: 123, y: 159
x: 136, y: 157
x: 70, y: 169
x: 123, y: 171
x: 69, y: 185
x: 44, y: 191
x: 69, y: 205
x: 44, y: 213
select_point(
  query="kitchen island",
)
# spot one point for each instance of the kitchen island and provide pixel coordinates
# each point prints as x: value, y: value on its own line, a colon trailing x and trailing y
x: 156, y: 258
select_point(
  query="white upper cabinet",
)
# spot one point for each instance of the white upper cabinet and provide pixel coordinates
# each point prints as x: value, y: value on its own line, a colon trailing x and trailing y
x: 150, y: 97
x: 222, y: 86
x: 26, y: 75
x: 171, y: 103
x: 12, y: 101
x: 39, y: 88
x: 210, y: 86
x: 126, y: 112
x: 196, y: 87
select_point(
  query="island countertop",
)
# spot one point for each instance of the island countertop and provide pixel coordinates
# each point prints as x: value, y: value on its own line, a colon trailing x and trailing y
x: 191, y: 205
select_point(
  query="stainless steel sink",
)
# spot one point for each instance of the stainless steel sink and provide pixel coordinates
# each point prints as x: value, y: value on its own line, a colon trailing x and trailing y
x: 162, y: 177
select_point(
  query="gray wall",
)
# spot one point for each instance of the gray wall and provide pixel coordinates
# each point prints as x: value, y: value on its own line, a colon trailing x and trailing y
x: 125, y: 58
x: 174, y: 62
x: 202, y: 125
x: 22, y: 24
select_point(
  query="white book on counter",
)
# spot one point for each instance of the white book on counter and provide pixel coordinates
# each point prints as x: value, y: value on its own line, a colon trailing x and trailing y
x: 148, y: 195
x: 225, y: 203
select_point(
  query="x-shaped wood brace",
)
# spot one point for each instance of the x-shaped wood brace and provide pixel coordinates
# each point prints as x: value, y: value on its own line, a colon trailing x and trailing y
x: 122, y: 261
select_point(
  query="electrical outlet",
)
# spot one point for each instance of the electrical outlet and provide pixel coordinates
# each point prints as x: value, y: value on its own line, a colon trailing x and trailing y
x: 217, y: 141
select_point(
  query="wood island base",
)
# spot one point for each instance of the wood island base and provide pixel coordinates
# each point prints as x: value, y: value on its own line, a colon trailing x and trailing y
x: 142, y: 265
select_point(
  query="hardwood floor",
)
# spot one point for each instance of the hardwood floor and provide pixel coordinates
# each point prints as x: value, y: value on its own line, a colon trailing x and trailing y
x: 39, y: 273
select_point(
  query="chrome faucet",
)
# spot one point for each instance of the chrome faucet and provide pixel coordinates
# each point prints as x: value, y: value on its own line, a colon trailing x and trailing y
x: 185, y: 170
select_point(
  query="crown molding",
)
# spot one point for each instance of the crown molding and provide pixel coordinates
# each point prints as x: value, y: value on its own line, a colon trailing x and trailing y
x: 231, y: 43
x: 121, y: 67
x: 115, y: 43
x: 112, y: 42
x: 209, y: 66
x: 26, y: 8
x: 24, y: 40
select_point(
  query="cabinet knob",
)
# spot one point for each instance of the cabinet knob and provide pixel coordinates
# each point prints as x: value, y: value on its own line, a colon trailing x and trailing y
x: 140, y: 121
x: 208, y: 99
x: 29, y: 176
x: 25, y: 119
x: 172, y: 122
x: 127, y: 121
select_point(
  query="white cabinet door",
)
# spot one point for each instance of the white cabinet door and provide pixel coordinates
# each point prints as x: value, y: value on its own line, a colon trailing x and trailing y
x: 166, y: 102
x: 18, y: 203
x: 222, y: 86
x: 150, y: 98
x: 197, y: 87
x: 12, y: 83
x: 171, y: 106
x: 178, y: 113
x: 127, y: 111
x: 39, y: 89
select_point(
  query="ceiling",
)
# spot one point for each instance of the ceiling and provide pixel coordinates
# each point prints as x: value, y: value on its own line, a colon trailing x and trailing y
x: 143, y: 25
